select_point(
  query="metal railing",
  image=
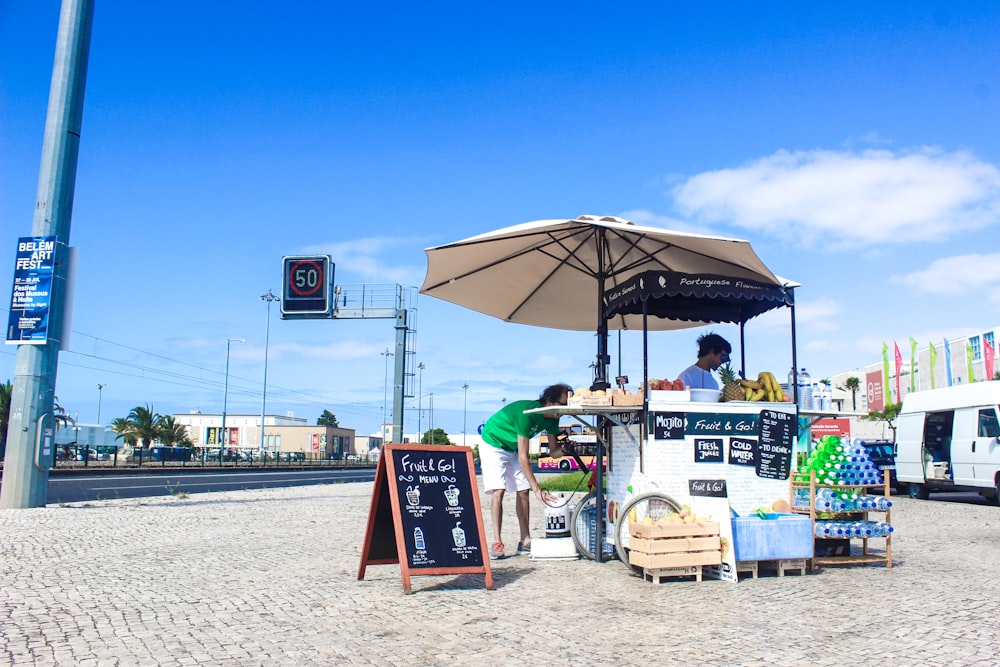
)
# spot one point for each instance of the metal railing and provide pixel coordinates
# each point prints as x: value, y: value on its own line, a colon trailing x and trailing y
x: 121, y: 457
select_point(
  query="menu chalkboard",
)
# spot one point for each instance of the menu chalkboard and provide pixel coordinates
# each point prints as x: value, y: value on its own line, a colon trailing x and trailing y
x: 774, y: 451
x: 425, y: 513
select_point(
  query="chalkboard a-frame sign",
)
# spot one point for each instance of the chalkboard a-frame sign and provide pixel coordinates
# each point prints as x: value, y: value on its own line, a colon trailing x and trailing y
x: 425, y: 514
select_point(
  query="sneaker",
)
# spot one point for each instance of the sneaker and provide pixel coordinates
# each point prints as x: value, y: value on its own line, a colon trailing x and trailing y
x: 521, y: 549
x: 497, y: 551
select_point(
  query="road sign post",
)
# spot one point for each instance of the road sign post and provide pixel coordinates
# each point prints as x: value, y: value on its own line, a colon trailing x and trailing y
x: 306, y: 286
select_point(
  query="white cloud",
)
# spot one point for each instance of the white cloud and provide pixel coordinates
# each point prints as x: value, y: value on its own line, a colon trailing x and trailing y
x: 850, y: 199
x: 962, y: 274
x: 369, y: 260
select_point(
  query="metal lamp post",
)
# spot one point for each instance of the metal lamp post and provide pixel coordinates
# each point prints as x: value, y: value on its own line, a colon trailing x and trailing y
x: 269, y: 298
x: 420, y: 399
x: 100, y: 393
x: 385, y: 391
x: 225, y: 395
x: 465, y: 411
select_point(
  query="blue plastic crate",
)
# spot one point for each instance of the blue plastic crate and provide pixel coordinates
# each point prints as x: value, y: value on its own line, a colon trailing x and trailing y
x: 780, y: 537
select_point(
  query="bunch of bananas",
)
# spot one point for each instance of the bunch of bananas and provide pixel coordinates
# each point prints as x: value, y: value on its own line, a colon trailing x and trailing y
x: 764, y: 388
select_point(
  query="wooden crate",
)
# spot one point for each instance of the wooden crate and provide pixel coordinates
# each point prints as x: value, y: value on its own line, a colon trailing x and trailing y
x: 657, y: 530
x: 665, y: 546
x: 675, y: 544
x: 675, y: 559
x: 627, y: 399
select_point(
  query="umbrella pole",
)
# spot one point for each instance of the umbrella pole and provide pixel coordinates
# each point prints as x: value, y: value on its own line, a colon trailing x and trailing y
x: 794, y: 388
x: 743, y: 352
x: 645, y: 383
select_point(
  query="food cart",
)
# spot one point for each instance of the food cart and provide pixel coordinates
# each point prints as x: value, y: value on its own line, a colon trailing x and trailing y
x: 672, y: 451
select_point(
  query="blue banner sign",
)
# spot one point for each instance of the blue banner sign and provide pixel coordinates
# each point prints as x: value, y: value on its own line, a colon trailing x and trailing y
x: 28, y: 322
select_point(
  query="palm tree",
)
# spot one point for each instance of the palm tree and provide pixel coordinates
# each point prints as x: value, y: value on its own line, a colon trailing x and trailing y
x: 123, y: 428
x: 173, y: 434
x: 853, y: 384
x: 145, y: 424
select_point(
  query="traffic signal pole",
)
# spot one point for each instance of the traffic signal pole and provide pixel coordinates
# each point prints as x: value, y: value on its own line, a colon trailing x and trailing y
x: 31, y: 427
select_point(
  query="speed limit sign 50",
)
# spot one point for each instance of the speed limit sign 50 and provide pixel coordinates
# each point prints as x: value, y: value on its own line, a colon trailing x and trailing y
x: 306, y: 285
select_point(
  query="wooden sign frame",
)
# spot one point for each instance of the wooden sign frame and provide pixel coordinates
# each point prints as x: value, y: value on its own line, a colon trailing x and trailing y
x: 385, y: 541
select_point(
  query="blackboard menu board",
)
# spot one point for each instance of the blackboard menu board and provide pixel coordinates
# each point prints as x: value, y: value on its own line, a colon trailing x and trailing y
x: 437, y: 509
x: 708, y: 450
x: 425, y: 513
x: 774, y: 451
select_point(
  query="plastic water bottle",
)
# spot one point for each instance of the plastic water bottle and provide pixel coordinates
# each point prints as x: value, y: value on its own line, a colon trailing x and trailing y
x: 804, y: 384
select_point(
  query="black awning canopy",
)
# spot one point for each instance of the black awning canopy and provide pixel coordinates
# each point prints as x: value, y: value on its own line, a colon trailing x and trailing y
x: 696, y: 298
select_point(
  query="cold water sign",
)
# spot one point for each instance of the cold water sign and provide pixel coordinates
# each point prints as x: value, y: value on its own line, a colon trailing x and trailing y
x: 427, y: 495
x: 774, y: 451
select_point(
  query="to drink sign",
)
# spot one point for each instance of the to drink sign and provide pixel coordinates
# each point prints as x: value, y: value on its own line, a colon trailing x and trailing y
x: 28, y: 321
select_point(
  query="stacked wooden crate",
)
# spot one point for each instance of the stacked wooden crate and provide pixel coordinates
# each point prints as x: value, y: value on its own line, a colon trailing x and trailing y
x: 671, y: 550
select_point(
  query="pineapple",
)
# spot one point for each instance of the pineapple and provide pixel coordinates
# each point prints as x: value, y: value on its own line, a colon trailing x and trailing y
x: 731, y: 388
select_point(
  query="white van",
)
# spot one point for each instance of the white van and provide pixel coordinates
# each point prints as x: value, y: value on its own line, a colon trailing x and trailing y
x: 949, y: 440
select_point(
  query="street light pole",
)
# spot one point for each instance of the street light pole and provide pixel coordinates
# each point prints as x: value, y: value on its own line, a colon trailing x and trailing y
x: 465, y: 411
x: 100, y: 393
x: 431, y: 427
x: 420, y: 399
x: 225, y: 395
x: 385, y: 392
x: 267, y: 336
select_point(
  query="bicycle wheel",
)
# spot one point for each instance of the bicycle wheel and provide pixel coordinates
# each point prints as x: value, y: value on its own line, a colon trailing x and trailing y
x: 583, y: 528
x: 652, y: 504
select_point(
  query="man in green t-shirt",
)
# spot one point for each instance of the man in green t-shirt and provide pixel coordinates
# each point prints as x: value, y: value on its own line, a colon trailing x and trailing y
x: 506, y: 464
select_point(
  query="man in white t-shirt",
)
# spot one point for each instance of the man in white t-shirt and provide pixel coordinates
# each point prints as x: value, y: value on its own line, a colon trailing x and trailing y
x: 713, y: 351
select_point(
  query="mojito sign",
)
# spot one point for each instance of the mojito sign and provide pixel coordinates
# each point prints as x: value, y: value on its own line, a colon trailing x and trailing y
x: 28, y: 321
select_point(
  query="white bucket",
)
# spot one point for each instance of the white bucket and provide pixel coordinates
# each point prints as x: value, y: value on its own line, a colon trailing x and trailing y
x: 557, y: 518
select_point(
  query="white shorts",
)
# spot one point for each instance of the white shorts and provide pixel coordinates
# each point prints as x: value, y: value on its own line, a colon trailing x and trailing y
x: 501, y: 470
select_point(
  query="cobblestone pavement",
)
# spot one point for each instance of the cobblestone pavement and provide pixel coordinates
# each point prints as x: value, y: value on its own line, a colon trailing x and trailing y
x: 269, y: 577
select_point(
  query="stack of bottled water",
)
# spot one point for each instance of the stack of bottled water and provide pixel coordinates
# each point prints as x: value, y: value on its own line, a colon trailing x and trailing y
x: 847, y: 529
x: 839, y: 463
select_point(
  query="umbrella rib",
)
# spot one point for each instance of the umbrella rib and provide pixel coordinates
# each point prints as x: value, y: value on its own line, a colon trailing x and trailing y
x: 539, y: 248
x: 562, y: 261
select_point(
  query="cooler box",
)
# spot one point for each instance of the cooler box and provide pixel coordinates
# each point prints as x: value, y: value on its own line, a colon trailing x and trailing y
x: 780, y: 537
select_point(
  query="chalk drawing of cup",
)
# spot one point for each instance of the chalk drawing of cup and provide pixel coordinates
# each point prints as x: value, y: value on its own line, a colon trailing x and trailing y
x: 451, y: 495
x: 458, y: 535
x: 413, y: 495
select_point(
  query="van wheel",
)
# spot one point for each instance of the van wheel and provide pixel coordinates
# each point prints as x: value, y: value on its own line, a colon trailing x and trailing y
x: 918, y: 491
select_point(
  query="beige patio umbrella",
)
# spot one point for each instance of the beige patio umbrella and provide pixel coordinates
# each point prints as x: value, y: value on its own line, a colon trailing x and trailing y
x: 555, y: 273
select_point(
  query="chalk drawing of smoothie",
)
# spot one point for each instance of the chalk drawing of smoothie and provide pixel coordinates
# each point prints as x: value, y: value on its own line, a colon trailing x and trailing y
x: 413, y: 495
x: 451, y: 495
x: 458, y: 535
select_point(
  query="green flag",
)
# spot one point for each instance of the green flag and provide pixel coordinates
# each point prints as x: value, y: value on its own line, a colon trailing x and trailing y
x: 933, y: 354
x: 968, y: 360
x: 913, y: 363
x: 885, y: 372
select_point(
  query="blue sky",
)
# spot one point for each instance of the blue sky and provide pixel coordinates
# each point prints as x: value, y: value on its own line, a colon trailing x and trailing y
x: 854, y: 146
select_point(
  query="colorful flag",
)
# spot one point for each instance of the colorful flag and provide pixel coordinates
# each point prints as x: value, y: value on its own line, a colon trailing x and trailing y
x: 899, y: 371
x: 988, y: 358
x: 913, y: 363
x: 885, y: 370
x: 968, y: 360
x: 947, y: 360
x: 933, y: 355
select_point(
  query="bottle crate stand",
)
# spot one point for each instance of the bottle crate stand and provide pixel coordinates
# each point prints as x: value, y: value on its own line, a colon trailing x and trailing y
x: 851, y: 515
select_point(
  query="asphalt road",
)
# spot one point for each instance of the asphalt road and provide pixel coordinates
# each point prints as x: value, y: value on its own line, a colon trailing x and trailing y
x: 78, y: 488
